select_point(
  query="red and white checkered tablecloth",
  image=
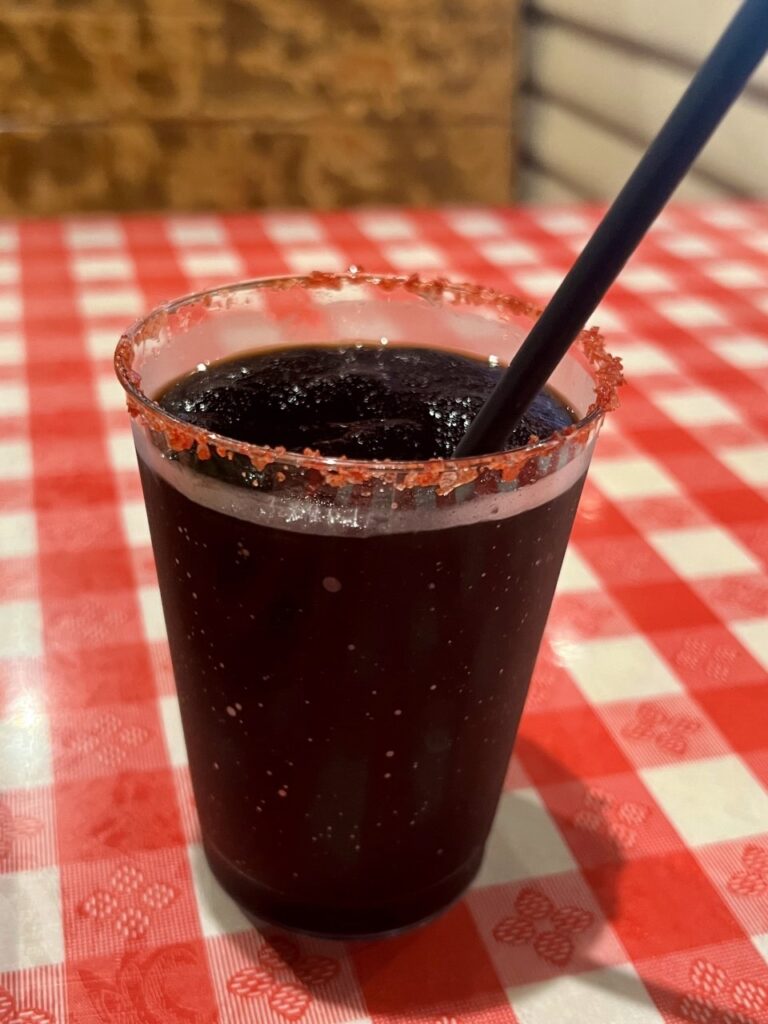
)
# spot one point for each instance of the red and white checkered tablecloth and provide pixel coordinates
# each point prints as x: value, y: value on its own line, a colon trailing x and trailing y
x: 627, y: 876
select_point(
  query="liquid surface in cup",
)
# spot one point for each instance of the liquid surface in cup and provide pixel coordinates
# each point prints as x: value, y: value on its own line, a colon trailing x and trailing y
x: 362, y: 401
x: 349, y: 699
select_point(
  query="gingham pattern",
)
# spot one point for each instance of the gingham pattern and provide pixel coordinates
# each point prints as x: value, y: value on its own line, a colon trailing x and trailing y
x: 627, y: 877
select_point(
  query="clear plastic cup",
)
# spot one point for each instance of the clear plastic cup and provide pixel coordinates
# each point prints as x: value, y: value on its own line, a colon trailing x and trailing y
x: 352, y: 641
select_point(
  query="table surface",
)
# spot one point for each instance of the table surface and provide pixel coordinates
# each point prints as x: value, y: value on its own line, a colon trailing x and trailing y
x: 627, y: 876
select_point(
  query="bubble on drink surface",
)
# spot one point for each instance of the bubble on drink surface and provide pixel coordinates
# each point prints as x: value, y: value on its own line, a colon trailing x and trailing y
x: 331, y: 584
x: 231, y: 711
x: 390, y: 753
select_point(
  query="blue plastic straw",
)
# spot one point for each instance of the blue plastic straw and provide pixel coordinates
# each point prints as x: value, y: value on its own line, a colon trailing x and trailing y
x: 715, y: 87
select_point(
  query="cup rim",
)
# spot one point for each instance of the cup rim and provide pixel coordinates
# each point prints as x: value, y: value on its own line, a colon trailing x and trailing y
x: 605, y: 369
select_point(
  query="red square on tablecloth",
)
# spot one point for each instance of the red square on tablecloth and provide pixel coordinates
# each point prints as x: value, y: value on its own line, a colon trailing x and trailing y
x: 609, y: 819
x: 170, y: 984
x: 116, y: 815
x: 655, y: 606
x: 740, y: 713
x: 82, y: 677
x: 555, y: 747
x: 143, y: 899
x: 662, y: 904
x: 403, y: 981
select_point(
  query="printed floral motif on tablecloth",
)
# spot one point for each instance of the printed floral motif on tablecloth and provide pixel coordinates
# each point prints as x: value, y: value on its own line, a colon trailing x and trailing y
x: 108, y: 740
x: 540, y: 923
x: 669, y: 732
x: 129, y: 903
x: 712, y: 988
x: 284, y: 976
x: 10, y: 1013
x: 752, y: 878
x: 716, y: 661
x: 605, y: 814
x: 165, y: 986
x: 15, y: 829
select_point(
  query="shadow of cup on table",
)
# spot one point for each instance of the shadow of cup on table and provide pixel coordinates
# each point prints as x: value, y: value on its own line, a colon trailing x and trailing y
x: 599, y: 828
x: 404, y: 978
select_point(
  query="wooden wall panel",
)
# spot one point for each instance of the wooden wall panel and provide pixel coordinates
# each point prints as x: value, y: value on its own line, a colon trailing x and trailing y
x: 199, y: 104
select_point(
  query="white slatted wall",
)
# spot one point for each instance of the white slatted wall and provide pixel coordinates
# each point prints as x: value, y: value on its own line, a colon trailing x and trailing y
x: 600, y: 78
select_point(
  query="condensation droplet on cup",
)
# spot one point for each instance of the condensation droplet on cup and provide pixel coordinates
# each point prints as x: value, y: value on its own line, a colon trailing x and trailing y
x: 331, y: 584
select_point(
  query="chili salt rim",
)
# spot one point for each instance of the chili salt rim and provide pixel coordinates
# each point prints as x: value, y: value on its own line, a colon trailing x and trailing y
x: 339, y: 471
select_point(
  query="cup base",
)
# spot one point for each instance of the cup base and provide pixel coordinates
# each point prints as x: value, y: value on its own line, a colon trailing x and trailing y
x: 263, y: 906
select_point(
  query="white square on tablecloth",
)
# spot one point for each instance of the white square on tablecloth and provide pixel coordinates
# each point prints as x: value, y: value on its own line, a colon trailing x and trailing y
x: 323, y: 257
x: 121, y: 450
x: 607, y: 319
x: 293, y: 228
x: 384, y: 226
x: 9, y: 271
x: 21, y: 629
x: 691, y: 312
x: 506, y: 252
x: 15, y: 460
x: 617, y: 668
x: 9, y: 238
x: 415, y: 256
x: 575, y: 575
x: 475, y: 223
x: 96, y: 234
x: 101, y: 342
x: 753, y: 633
x: 224, y: 263
x: 13, y: 399
x: 736, y: 274
x: 609, y: 995
x: 709, y: 801
x: 645, y: 278
x: 749, y: 463
x: 702, y: 552
x: 152, y: 613
x: 744, y: 351
x: 196, y: 231
x: 562, y: 222
x: 541, y: 283
x: 760, y: 942
x: 133, y: 515
x: 173, y: 731
x: 104, y: 267
x: 11, y: 349
x: 524, y: 842
x: 18, y: 534
x: 632, y: 477
x: 25, y: 748
x: 682, y: 244
x: 113, y: 301
x: 219, y: 914
x: 10, y: 306
x: 641, y: 357
x: 30, y: 912
x: 110, y: 393
x: 727, y: 216
x: 757, y: 240
x: 696, y: 408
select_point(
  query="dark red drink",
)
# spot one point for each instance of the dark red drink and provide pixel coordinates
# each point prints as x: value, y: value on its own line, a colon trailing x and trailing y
x: 352, y: 640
